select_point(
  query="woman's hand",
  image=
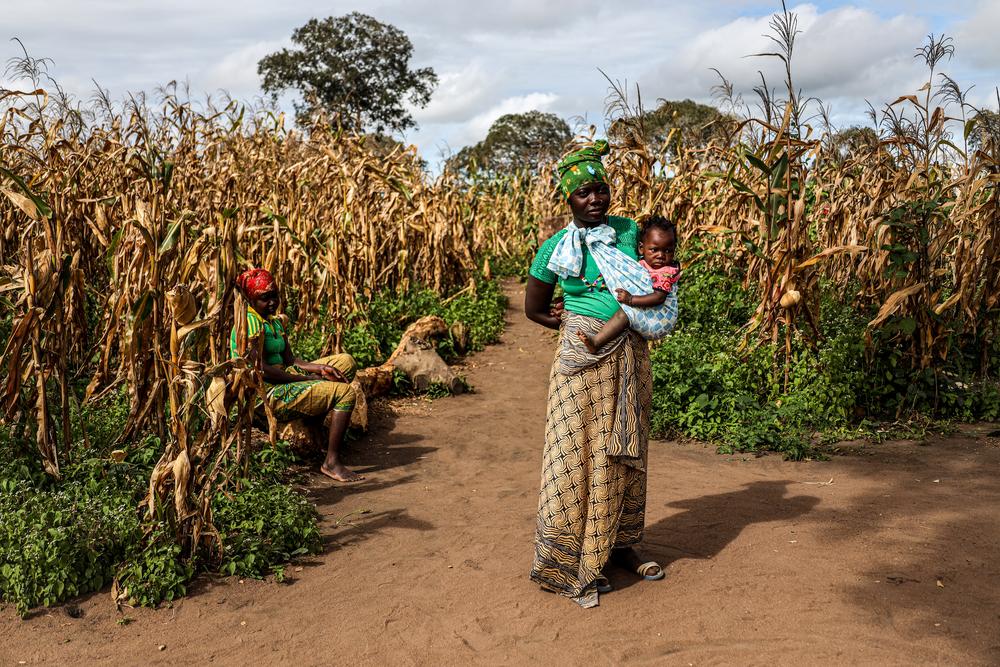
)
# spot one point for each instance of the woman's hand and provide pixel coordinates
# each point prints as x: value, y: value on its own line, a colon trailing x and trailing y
x: 278, y: 375
x: 332, y: 374
x: 556, y: 308
x: 323, y: 372
x: 538, y: 304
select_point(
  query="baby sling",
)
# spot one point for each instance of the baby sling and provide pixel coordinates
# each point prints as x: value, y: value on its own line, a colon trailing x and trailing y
x: 619, y: 271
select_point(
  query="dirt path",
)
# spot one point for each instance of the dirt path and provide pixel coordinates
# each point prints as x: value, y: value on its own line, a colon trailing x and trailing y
x: 888, y: 556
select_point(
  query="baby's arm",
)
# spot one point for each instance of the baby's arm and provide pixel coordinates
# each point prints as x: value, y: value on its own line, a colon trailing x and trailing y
x: 643, y: 301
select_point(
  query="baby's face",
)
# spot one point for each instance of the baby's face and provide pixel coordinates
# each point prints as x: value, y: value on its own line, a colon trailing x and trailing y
x: 658, y: 247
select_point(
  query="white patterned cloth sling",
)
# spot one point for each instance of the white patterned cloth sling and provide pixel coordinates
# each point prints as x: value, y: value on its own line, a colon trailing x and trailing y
x: 619, y: 271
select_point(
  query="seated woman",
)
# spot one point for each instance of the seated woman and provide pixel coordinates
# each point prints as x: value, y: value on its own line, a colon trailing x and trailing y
x: 297, y: 388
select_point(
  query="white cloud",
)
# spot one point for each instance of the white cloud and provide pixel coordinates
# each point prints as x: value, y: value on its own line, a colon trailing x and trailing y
x: 845, y: 53
x: 496, y: 58
x: 460, y: 94
x: 476, y: 127
x: 236, y: 71
x: 977, y: 37
x: 503, y: 17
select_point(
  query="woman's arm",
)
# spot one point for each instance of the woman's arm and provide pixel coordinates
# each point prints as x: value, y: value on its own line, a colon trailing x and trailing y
x: 538, y: 303
x: 323, y: 371
x: 318, y: 371
x: 276, y: 374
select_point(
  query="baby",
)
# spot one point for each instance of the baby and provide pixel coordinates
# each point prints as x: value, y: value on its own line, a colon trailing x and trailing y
x: 656, y: 246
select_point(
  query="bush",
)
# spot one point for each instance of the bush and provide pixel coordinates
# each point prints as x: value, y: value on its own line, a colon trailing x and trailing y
x: 62, y: 538
x: 66, y: 538
x: 155, y: 571
x: 265, y: 523
x: 704, y: 387
x: 373, y: 334
x: 263, y: 526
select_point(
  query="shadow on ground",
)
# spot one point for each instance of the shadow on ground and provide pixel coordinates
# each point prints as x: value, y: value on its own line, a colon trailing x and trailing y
x: 709, y: 523
x: 931, y: 520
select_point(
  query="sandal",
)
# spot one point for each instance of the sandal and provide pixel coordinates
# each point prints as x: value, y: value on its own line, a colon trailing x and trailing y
x: 603, y: 585
x: 643, y: 571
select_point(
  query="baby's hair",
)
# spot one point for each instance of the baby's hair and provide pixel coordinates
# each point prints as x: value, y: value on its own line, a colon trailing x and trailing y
x: 657, y: 222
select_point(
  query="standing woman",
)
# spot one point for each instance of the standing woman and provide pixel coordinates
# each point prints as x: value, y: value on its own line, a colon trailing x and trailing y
x: 592, y: 503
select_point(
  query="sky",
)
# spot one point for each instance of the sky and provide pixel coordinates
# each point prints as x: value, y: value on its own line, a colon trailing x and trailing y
x: 520, y: 55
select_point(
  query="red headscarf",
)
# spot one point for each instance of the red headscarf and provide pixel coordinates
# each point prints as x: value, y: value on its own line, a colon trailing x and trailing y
x: 254, y: 282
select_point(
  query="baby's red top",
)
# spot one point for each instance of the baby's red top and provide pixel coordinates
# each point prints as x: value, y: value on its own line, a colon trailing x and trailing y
x: 663, y: 278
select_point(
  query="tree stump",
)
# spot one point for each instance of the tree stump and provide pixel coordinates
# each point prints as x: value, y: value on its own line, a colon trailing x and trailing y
x: 417, y: 357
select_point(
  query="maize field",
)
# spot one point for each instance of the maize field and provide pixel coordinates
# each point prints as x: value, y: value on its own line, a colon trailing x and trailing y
x: 124, y: 227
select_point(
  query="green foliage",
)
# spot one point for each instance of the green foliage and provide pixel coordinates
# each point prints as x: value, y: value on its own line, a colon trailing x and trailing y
x: 515, y: 266
x: 694, y: 125
x: 6, y: 320
x: 355, y: 68
x: 262, y: 524
x: 373, y: 334
x: 482, y: 312
x: 265, y: 523
x: 443, y: 390
x: 308, y: 343
x: 704, y: 387
x: 62, y: 539
x: 401, y: 384
x: 155, y: 572
x: 984, y: 130
x: 263, y: 527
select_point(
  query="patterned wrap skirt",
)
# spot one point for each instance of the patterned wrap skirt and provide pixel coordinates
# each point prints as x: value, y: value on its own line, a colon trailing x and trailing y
x: 314, y: 398
x: 593, y: 492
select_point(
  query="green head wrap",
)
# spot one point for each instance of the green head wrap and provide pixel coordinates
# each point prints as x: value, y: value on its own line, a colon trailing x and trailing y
x: 582, y: 167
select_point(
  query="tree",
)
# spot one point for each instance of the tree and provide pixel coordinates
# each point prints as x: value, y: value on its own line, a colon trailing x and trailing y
x: 985, y: 132
x: 849, y: 141
x: 515, y: 142
x: 353, y: 67
x: 696, y: 125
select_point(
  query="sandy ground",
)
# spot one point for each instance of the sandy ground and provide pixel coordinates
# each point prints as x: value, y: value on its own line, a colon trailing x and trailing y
x: 884, y: 556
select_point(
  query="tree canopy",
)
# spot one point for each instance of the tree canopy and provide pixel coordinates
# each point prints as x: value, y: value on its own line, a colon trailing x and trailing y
x: 355, y: 68
x: 515, y: 142
x: 696, y: 125
x: 851, y: 140
x: 985, y: 130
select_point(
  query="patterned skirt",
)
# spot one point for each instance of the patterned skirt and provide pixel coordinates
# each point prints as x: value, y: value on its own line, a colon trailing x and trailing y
x: 593, y: 494
x: 314, y: 398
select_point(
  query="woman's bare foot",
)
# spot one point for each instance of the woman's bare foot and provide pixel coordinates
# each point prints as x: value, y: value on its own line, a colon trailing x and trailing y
x: 340, y: 473
x: 587, y: 341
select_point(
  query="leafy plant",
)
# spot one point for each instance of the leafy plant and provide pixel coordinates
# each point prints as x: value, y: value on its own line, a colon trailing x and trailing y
x: 264, y: 525
x: 705, y: 387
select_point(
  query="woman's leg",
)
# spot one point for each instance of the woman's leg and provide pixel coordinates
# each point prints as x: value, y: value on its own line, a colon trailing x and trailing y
x: 611, y: 330
x: 332, y: 467
x: 342, y: 362
x: 322, y: 399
